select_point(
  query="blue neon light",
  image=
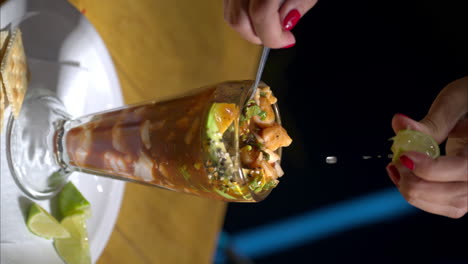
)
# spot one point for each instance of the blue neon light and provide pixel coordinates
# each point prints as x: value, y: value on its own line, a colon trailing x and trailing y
x: 316, y: 224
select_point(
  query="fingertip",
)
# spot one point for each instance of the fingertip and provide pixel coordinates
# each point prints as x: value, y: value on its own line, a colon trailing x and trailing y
x: 400, y: 122
x: 417, y: 162
x: 255, y: 40
x: 407, y: 162
x: 245, y: 30
x: 416, y: 156
x: 290, y: 40
x: 292, y: 11
x: 394, y: 174
x: 291, y: 19
x: 402, y: 115
x: 289, y: 46
x: 285, y: 40
x: 267, y: 24
x: 440, y: 169
x: 251, y: 37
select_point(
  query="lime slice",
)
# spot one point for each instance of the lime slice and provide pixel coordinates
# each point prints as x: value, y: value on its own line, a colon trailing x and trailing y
x: 71, y: 201
x: 411, y: 140
x: 74, y: 249
x: 42, y: 224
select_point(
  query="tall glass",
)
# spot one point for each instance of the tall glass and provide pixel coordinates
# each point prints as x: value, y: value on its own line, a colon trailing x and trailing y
x: 170, y: 144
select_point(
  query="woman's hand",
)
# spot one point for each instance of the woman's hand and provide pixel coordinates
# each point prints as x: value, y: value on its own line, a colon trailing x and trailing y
x: 438, y: 186
x: 266, y: 22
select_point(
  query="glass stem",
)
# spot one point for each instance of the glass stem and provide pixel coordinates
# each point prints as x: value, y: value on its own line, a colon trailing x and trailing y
x: 59, y: 146
x: 34, y: 148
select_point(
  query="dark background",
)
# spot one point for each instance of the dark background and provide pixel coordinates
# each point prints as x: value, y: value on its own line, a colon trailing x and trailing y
x: 356, y: 64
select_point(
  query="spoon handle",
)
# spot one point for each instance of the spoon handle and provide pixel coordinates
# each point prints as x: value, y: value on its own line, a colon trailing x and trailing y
x: 261, y: 65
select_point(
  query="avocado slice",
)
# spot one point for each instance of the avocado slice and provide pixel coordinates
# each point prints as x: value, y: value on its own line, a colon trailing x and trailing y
x: 219, y: 161
x: 215, y: 127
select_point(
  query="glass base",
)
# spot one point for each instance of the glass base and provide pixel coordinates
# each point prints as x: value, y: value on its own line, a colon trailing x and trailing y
x: 33, y: 149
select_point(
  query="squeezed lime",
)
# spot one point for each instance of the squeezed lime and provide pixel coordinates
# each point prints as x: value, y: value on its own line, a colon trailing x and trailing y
x: 412, y: 140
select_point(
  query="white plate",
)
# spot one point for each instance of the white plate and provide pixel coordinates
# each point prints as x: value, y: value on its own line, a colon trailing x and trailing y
x: 87, y: 82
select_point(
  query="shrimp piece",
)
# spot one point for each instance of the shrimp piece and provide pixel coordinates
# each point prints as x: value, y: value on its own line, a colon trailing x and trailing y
x: 268, y: 169
x: 279, y: 170
x: 82, y: 152
x: 272, y: 99
x: 143, y: 168
x: 250, y: 157
x: 116, y: 162
x: 192, y: 130
x: 171, y: 136
x: 183, y: 123
x: 163, y: 170
x: 145, y: 134
x: 266, y: 92
x: 119, y: 142
x: 158, y: 124
x: 269, y: 118
x: 272, y: 156
x: 275, y: 137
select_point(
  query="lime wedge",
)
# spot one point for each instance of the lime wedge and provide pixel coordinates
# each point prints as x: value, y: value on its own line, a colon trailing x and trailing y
x: 74, y: 249
x: 71, y: 201
x: 42, y: 224
x: 411, y: 140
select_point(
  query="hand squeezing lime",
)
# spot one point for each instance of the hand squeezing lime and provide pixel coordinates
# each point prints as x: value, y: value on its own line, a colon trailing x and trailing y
x: 411, y: 140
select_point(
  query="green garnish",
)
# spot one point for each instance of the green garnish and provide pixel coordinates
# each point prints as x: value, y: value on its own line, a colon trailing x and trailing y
x: 258, y: 184
x: 183, y: 170
x: 269, y: 185
x: 197, y: 165
x: 252, y: 109
x: 262, y: 115
x: 240, y: 190
x: 225, y: 195
x: 263, y: 94
x: 255, y: 184
x: 203, y: 188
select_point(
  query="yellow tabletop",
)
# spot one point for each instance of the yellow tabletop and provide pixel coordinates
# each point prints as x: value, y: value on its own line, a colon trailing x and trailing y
x: 162, y: 48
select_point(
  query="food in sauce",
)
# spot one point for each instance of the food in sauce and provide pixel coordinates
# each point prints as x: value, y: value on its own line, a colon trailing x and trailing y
x: 209, y: 144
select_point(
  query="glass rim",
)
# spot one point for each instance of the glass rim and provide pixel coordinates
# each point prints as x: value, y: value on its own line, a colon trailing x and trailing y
x: 243, y: 100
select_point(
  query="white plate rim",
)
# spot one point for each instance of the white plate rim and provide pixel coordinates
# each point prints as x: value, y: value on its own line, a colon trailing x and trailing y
x: 16, y: 9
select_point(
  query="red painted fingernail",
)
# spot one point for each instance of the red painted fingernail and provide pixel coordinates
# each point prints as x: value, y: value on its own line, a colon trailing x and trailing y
x: 289, y: 46
x: 407, y: 162
x: 291, y: 19
x: 400, y: 114
x: 394, y: 174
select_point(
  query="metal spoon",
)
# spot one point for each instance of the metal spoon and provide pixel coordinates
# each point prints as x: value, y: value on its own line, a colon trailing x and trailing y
x: 261, y: 65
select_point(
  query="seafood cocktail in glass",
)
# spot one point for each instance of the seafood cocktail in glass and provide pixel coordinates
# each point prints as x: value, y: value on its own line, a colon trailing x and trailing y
x: 215, y: 142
